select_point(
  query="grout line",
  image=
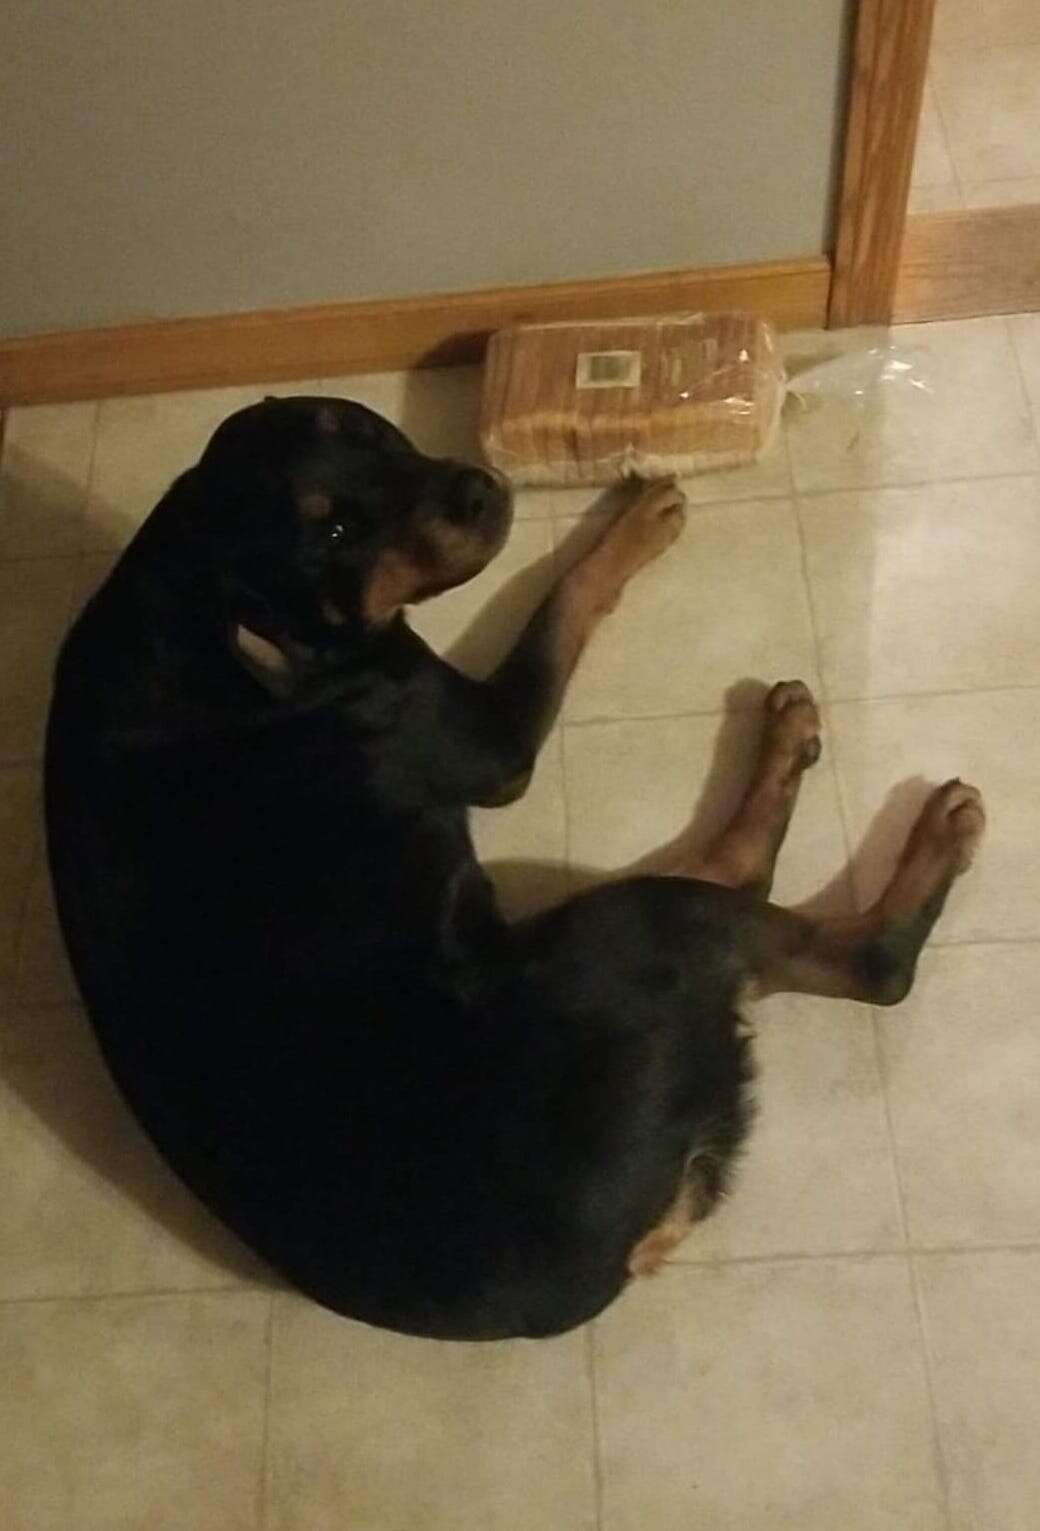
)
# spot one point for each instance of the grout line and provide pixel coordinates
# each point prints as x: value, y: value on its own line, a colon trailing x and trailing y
x: 951, y: 944
x: 984, y: 1247
x: 915, y: 483
x: 712, y: 1263
x: 1034, y: 414
x: 831, y: 751
x: 262, y: 1486
x: 788, y: 1257
x: 144, y: 1294
x: 882, y: 1252
x: 910, y: 696
x: 893, y: 1151
x: 597, y: 1445
x: 21, y: 934
x: 825, y: 702
x: 17, y: 560
x: 940, y: 112
x: 942, y: 1467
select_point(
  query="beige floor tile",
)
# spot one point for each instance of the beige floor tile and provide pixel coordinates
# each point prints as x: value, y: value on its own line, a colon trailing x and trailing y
x: 47, y: 452
x: 982, y: 1324
x: 990, y: 101
x: 587, y: 501
x: 1025, y: 333
x: 524, y: 845
x: 474, y: 625
x: 926, y: 588
x: 962, y: 1059
x: 43, y: 975
x: 89, y: 1207
x: 967, y: 24
x: 143, y: 444
x: 889, y: 756
x: 1022, y: 192
x: 382, y: 1433
x: 633, y: 787
x: 725, y: 602
x: 35, y: 600
x: 767, y: 1398
x: 438, y: 409
x: 972, y: 419
x: 944, y: 197
x: 119, y: 1415
x: 19, y: 818
x: 770, y: 478
x: 530, y: 503
x: 932, y: 163
x: 817, y: 1176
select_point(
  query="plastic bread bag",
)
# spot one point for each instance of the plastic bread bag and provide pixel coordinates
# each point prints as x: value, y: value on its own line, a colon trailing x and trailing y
x: 857, y: 375
x: 592, y: 403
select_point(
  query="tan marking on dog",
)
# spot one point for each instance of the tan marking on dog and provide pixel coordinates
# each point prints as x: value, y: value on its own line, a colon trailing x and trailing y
x: 314, y: 505
x: 654, y: 1247
x: 441, y: 557
x: 264, y: 660
x: 593, y: 587
x: 394, y: 581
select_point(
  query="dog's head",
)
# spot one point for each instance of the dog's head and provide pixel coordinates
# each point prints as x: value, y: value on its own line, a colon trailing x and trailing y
x: 327, y: 521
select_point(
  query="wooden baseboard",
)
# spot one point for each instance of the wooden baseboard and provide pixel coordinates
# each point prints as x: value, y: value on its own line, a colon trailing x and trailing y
x: 383, y: 335
x: 961, y: 265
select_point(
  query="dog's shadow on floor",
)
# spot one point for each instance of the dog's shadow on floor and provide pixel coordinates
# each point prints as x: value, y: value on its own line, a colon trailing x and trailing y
x: 53, y: 1065
x: 527, y: 887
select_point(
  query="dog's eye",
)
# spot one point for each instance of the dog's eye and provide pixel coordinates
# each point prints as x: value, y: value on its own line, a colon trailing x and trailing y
x: 337, y: 532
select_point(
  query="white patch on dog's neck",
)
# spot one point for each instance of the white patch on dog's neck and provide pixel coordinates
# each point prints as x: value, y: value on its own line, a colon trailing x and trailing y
x: 264, y: 660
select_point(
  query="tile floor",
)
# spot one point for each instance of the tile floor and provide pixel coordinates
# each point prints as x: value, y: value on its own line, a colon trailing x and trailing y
x: 854, y: 1341
x: 978, y: 142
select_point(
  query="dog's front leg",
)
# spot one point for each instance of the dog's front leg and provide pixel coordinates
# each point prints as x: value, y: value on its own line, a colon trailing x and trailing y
x: 529, y: 684
x: 497, y: 726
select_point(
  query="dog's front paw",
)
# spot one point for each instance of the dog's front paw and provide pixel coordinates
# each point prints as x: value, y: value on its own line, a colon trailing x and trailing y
x: 645, y: 528
x: 657, y: 515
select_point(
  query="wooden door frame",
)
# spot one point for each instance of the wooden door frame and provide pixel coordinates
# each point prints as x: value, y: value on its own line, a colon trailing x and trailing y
x: 889, y: 65
x: 889, y: 268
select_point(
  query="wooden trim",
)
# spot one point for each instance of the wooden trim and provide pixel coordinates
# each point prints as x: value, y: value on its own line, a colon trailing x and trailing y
x: 382, y: 335
x: 959, y: 265
x: 888, y: 74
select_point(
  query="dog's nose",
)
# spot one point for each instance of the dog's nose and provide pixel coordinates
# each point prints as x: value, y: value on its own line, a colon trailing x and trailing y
x: 476, y: 494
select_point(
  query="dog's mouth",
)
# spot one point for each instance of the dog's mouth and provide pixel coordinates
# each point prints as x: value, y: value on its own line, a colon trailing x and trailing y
x: 449, y: 541
x: 458, y: 542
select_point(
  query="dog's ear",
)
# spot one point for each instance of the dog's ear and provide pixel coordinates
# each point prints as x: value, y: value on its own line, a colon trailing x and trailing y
x: 264, y: 660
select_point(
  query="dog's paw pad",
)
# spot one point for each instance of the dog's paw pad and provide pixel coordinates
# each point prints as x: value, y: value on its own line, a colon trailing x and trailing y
x: 955, y: 818
x: 794, y: 721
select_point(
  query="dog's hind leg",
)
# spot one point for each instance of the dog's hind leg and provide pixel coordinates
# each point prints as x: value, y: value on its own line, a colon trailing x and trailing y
x: 744, y: 854
x: 872, y: 957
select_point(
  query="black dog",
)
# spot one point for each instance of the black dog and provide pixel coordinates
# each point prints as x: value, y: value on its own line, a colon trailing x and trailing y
x: 257, y: 781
